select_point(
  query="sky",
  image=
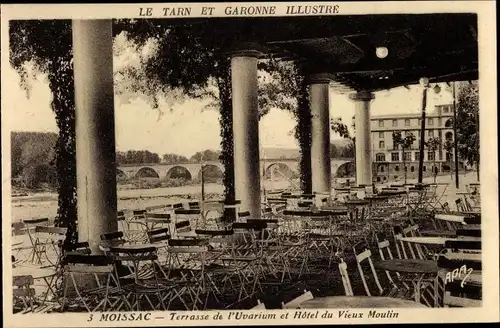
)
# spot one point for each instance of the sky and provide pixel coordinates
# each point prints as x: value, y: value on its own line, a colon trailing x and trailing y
x: 187, y: 127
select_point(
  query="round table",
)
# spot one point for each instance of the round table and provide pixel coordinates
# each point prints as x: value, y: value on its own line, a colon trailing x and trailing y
x: 412, y: 266
x: 358, y: 302
x: 427, y: 240
x: 439, y: 233
x: 408, y: 265
x: 450, y: 218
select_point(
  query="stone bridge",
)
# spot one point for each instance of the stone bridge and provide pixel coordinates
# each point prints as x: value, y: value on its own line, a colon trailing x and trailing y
x: 340, y: 167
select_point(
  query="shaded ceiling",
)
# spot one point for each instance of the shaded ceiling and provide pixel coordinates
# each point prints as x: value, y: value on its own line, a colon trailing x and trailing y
x: 441, y: 47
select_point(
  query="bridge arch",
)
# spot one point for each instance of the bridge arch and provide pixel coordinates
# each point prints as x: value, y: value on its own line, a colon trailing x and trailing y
x: 211, y: 173
x: 284, y: 168
x: 179, y: 172
x: 347, y: 169
x: 121, y: 175
x: 147, y: 172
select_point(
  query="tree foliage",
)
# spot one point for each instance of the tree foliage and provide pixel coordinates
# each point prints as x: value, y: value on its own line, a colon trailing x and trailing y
x: 205, y: 156
x: 46, y: 47
x: 137, y: 157
x: 174, y: 159
x: 468, y: 122
x: 405, y: 143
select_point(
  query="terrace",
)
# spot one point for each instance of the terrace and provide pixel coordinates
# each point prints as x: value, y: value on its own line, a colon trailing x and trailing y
x: 388, y: 247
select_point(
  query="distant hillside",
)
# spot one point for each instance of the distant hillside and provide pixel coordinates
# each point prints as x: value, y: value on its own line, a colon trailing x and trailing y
x: 32, y: 156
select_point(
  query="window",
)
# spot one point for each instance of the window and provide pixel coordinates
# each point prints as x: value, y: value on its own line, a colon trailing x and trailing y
x: 407, y: 122
x: 396, y: 168
x: 382, y: 169
x: 412, y: 169
x: 430, y: 121
x: 445, y: 109
x: 381, y: 123
x: 440, y: 155
x: 381, y: 135
x: 430, y: 133
x: 424, y: 169
x: 395, y: 157
x: 381, y: 144
x: 417, y: 155
x: 380, y: 157
x: 407, y: 156
x: 394, y: 122
x: 430, y: 155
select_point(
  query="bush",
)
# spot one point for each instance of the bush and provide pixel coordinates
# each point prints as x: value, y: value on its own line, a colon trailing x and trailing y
x: 36, y: 175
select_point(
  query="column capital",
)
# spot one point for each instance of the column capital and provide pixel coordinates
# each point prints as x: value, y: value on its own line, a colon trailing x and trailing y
x: 246, y: 50
x: 362, y: 96
x: 319, y: 78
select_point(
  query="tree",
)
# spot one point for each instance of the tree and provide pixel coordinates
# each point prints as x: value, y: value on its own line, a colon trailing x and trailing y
x: 449, y: 146
x: 205, y: 156
x: 468, y: 123
x: 192, y: 59
x: 405, y: 144
x: 433, y: 144
x: 46, y: 47
x: 174, y: 159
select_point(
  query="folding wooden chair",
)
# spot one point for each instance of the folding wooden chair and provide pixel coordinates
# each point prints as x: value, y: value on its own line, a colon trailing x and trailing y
x: 295, y: 303
x: 145, y: 274
x: 47, y: 239
x: 396, y: 282
x: 24, y: 297
x: 346, y: 281
x: 104, y: 290
x: 462, y: 276
x: 187, y: 266
x: 361, y: 258
x: 112, y: 239
x: 29, y: 228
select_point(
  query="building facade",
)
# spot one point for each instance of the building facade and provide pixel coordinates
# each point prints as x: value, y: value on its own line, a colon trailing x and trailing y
x: 388, y: 160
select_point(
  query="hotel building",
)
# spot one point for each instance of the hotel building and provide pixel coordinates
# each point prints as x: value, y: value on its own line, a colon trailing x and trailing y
x: 388, y: 161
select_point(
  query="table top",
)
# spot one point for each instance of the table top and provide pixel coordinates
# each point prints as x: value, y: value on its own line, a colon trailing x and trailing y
x: 358, y: 302
x: 427, y: 240
x: 139, y: 246
x: 451, y: 218
x: 439, y: 233
x: 356, y: 202
x: 408, y: 266
x: 35, y: 272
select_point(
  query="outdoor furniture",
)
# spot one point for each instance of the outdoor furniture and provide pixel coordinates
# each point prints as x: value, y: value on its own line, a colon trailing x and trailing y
x: 462, y: 275
x: 98, y: 293
x: 259, y: 306
x: 24, y: 296
x: 399, y: 284
x: 144, y: 275
x: 296, y: 302
x: 419, y: 268
x: 347, y: 302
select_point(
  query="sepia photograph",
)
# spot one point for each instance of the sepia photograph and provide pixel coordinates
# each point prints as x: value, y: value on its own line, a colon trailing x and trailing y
x: 238, y: 159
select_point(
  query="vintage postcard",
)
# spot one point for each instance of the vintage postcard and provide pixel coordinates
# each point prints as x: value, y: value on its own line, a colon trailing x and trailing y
x: 187, y: 164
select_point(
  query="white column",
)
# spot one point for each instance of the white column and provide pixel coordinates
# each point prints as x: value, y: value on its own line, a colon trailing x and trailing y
x: 95, y: 129
x: 363, y: 137
x: 320, y: 133
x: 246, y: 131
